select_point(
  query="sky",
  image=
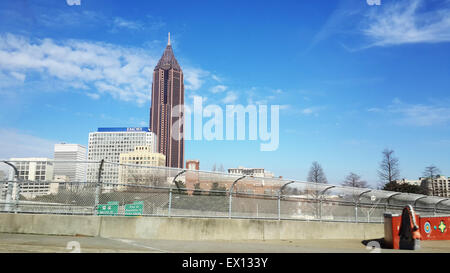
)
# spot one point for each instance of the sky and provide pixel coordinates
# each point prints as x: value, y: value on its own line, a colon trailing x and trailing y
x: 351, y: 79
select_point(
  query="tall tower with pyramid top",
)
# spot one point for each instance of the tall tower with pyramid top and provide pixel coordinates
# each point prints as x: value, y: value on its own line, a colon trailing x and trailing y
x: 167, y: 93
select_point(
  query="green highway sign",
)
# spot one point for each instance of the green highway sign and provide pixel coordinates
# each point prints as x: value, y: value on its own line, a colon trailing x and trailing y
x: 111, y: 208
x: 134, y: 209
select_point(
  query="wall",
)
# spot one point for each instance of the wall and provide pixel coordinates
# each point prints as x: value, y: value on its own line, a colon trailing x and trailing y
x: 185, y: 228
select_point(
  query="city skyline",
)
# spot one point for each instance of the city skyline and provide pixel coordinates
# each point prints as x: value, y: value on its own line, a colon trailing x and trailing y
x: 349, y: 80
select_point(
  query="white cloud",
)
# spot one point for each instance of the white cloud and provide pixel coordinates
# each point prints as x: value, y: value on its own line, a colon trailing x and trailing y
x: 218, y: 89
x: 18, y: 144
x: 415, y: 114
x: 122, y: 23
x: 124, y: 73
x: 94, y: 96
x: 278, y: 91
x: 231, y: 97
x: 18, y: 76
x: 404, y: 22
x: 73, y: 2
x: 194, y: 77
x: 312, y: 110
x: 97, y: 69
x: 216, y: 78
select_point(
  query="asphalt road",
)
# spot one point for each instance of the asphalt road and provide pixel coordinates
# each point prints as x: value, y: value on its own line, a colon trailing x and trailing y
x: 26, y: 243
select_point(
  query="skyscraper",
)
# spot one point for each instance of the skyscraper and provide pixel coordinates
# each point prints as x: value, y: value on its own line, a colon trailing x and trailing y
x: 168, y: 92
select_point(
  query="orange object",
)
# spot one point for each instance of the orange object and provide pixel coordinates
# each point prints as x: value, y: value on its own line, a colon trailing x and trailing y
x: 391, y: 229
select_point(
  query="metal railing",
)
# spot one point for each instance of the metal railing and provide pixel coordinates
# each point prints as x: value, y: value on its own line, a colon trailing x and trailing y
x: 129, y: 190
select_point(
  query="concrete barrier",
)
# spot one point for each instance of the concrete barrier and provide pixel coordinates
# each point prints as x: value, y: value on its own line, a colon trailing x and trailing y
x: 185, y: 228
x: 50, y: 224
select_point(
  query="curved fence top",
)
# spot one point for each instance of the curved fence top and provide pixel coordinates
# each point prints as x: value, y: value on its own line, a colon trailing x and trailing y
x: 289, y: 187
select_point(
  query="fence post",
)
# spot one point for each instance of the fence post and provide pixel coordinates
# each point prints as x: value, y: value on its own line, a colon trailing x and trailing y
x: 356, y: 203
x: 231, y: 195
x: 10, y: 189
x: 321, y: 200
x: 279, y: 197
x: 229, y: 205
x: 98, y: 187
x: 170, y: 202
x: 320, y: 209
x: 435, y: 205
x: 17, y: 197
x: 279, y: 206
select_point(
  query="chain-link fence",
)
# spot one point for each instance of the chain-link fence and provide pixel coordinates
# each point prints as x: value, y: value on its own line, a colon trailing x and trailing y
x: 119, y: 189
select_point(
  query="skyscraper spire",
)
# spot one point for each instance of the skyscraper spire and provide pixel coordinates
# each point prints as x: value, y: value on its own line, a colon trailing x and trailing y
x: 167, y: 93
x: 168, y: 59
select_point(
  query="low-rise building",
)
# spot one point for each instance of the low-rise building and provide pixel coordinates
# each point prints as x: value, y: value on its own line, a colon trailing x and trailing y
x: 255, y: 172
x: 141, y: 157
x: 410, y: 182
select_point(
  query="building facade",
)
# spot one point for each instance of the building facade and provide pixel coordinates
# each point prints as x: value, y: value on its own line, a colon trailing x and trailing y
x: 36, y: 176
x: 167, y: 93
x: 438, y: 186
x: 410, y: 182
x: 193, y: 165
x: 76, y: 172
x: 32, y: 168
x: 109, y: 143
x: 141, y: 157
x: 255, y: 172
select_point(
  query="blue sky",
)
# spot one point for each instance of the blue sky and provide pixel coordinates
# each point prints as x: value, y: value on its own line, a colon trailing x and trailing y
x: 351, y: 79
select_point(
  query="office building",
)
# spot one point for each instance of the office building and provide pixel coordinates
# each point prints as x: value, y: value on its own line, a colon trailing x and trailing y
x: 142, y: 157
x: 76, y: 172
x: 109, y: 143
x: 167, y: 93
x: 35, y: 174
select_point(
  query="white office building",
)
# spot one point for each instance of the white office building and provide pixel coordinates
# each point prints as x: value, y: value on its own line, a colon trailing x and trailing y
x: 109, y: 143
x: 76, y: 172
x: 35, y: 174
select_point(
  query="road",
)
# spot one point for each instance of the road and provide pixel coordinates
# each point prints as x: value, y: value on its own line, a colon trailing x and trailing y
x: 26, y: 243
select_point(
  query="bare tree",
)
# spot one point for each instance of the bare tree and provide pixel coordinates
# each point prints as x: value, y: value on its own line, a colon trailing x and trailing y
x: 354, y: 180
x: 430, y: 173
x: 316, y: 174
x: 389, y: 170
x: 214, y: 168
x: 221, y: 169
